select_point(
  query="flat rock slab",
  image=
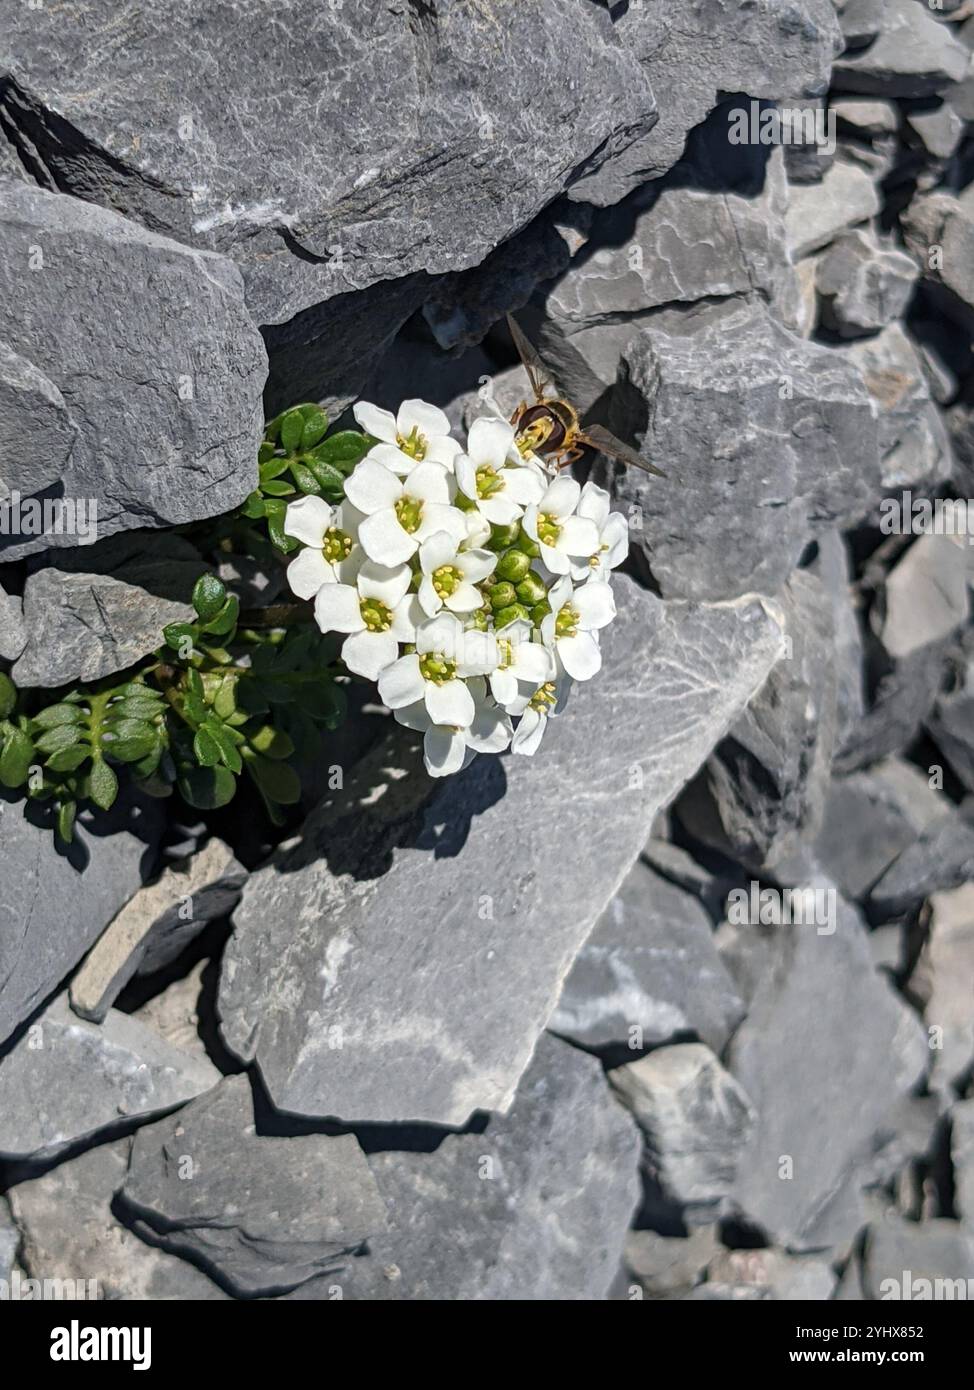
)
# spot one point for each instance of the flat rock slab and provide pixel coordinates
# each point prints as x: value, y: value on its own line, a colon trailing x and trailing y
x: 341, y: 978
x: 69, y: 1232
x: 265, y: 1213
x: 534, y: 1208
x: 66, y: 1079
x: 54, y: 904
x: 649, y: 973
x: 154, y: 367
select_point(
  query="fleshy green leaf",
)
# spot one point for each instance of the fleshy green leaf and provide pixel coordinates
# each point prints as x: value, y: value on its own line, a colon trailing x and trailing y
x: 292, y: 430
x: 103, y: 785
x: 54, y: 715
x: 60, y: 737
x: 69, y: 759
x: 278, y: 781
x: 8, y: 696
x: 273, y: 743
x: 15, y: 758
x: 207, y: 788
x: 315, y: 425
x: 206, y: 748
x: 66, y: 812
x: 209, y: 596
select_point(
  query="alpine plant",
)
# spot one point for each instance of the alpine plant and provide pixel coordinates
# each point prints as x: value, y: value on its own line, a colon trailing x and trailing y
x: 472, y: 585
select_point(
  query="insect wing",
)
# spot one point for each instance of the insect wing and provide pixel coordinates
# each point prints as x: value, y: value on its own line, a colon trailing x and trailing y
x: 607, y: 443
x: 528, y: 353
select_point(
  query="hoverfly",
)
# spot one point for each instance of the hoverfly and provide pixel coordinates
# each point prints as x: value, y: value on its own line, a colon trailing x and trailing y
x: 551, y: 428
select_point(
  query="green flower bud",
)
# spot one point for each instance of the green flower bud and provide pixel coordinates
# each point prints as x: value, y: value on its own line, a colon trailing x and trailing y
x: 539, y: 612
x: 510, y: 614
x: 532, y: 588
x: 513, y: 566
x: 501, y: 595
x: 530, y: 547
x: 502, y: 537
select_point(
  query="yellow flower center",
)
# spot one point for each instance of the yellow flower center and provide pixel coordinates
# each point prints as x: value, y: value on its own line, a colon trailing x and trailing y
x: 435, y: 667
x: 376, y: 615
x: 409, y: 510
x: 414, y: 445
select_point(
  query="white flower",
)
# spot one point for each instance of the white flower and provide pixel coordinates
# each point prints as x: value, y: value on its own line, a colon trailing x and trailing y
x: 449, y: 748
x: 449, y: 575
x: 521, y: 663
x: 547, y: 701
x: 613, y: 529
x: 484, y: 475
x: 378, y: 613
x: 400, y: 515
x: 436, y: 671
x: 575, y: 617
x: 419, y: 433
x: 329, y: 535
x: 561, y: 535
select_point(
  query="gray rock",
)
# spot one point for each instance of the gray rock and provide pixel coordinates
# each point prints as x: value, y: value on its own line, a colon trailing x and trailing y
x: 787, y: 1278
x: 818, y: 212
x: 36, y: 429
x: 13, y: 634
x: 265, y: 1213
x: 951, y: 724
x: 962, y: 1159
x: 681, y: 869
x: 156, y: 924
x: 766, y: 440
x: 669, y: 1266
x: 762, y: 791
x: 101, y: 610
x: 916, y: 1261
x: 727, y: 1293
x: 696, y: 1120
x: 926, y: 595
x: 864, y: 285
x: 326, y: 1017
x: 867, y: 118
x: 9, y: 1240
x: 66, y: 1079
x: 939, y: 230
x: 648, y: 974
x: 536, y: 1207
x: 70, y: 1233
x: 941, y: 858
x: 904, y: 694
x: 174, y: 1013
x: 54, y: 905
x: 820, y: 1102
x: 940, y: 130
x: 912, y: 439
x: 833, y: 566
x: 860, y: 20
x: 913, y: 56
x: 941, y: 981
x: 150, y: 352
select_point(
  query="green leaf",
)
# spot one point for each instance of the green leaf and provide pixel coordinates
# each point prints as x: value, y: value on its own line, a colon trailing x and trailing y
x: 61, y: 736
x: 331, y: 482
x: 292, y: 430
x: 278, y: 488
x: 176, y: 634
x: 278, y: 781
x: 103, y: 785
x: 305, y: 480
x: 209, y: 596
x: 266, y: 452
x: 16, y: 758
x: 253, y: 508
x: 207, y: 788
x: 275, y: 527
x: 225, y: 742
x: 343, y: 450
x: 66, y: 812
x: 137, y: 689
x: 146, y: 767
x: 273, y: 468
x: 135, y: 707
x: 8, y: 696
x: 69, y: 759
x: 206, y: 748
x: 225, y: 701
x: 225, y: 620
x: 54, y: 715
x: 273, y: 743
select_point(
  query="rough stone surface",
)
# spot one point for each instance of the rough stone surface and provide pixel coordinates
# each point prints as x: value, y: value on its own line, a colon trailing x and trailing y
x: 669, y: 1266
x: 26, y: 394
x: 536, y: 1207
x: 818, y: 212
x: 9, y: 1240
x: 962, y: 1159
x: 66, y: 1079
x: 53, y: 906
x: 151, y: 349
x: 295, y: 1206
x: 649, y: 973
x: 696, y: 1119
x: 156, y: 924
x: 820, y: 1102
x: 899, y: 1254
x: 833, y: 566
x: 865, y: 285
x: 326, y: 933
x: 942, y: 981
x: 926, y: 594
x: 939, y: 230
x: 70, y: 1232
x: 98, y: 611
x: 765, y: 438
x: 787, y: 1278
x: 13, y: 634
x: 940, y: 858
x: 914, y: 55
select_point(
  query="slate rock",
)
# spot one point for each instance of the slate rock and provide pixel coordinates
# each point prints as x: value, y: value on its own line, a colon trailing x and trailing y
x: 833, y: 566
x: 762, y: 791
x: 787, y: 1278
x: 913, y: 441
x: 70, y: 1232
x: 648, y: 974
x: 940, y: 130
x: 903, y: 695
x: 33, y: 459
x: 99, y: 610
x: 913, y: 56
x: 327, y: 1019
x: 962, y: 1159
x: 156, y: 925
x: 821, y: 1094
x: 864, y: 116
x: 766, y: 439
x: 150, y: 347
x: 939, y: 231
x: 951, y: 723
x: 669, y: 1266
x: 941, y: 858
x: 9, y: 1240
x: 911, y: 1261
x: 865, y: 286
x: 54, y: 905
x: 13, y: 634
x: 680, y: 868
x: 66, y: 1079
x: 534, y: 1208
x: 818, y: 212
x: 174, y: 1013
x: 941, y: 981
x: 926, y: 595
x: 294, y: 1207
x: 695, y: 1119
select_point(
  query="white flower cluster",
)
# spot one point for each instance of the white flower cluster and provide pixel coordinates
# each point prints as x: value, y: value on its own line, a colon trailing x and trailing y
x: 472, y: 585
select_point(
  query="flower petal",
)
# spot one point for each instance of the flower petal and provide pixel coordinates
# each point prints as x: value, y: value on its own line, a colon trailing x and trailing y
x: 615, y: 535
x: 479, y: 653
x: 437, y: 517
x: 440, y: 634
x: 308, y: 519
x: 374, y: 420
x: 371, y: 487
x: 437, y: 549
x: 503, y: 686
x: 577, y: 537
x: 489, y: 441
x: 420, y: 415
x: 414, y: 716
x: 529, y: 732
x: 594, y: 604
x: 466, y: 476
x: 490, y: 731
x: 386, y: 584
x: 594, y: 504
x: 406, y: 617
x: 561, y: 497
x: 383, y: 539
x: 465, y: 599
x: 500, y: 510
x: 429, y: 599
x: 429, y: 482
x: 580, y: 656
x: 444, y: 752
x: 337, y: 609
x: 401, y: 683
x: 308, y: 571
x: 475, y: 565
x: 393, y: 458
x: 522, y: 485
x: 443, y: 451
x: 369, y: 653
x: 450, y: 703
x: 533, y: 663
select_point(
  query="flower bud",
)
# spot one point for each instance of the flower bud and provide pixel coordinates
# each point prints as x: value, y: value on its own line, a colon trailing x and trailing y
x: 510, y: 614
x: 501, y: 537
x: 540, y: 611
x: 513, y: 566
x: 532, y: 588
x: 530, y: 547
x: 501, y: 595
